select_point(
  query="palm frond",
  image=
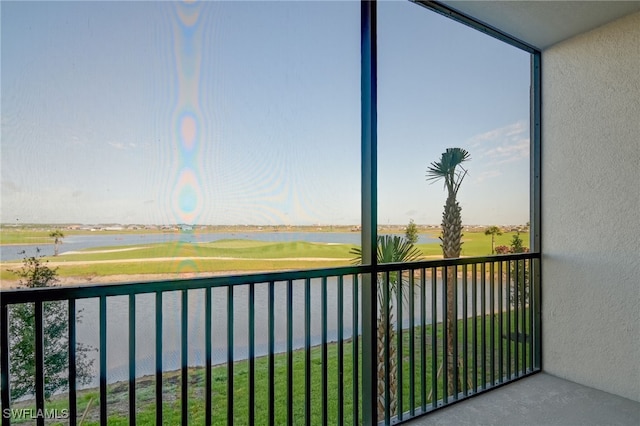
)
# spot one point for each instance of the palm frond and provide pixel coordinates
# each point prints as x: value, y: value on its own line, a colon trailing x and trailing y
x: 357, y: 256
x: 458, y: 156
x: 391, y: 249
x: 446, y: 168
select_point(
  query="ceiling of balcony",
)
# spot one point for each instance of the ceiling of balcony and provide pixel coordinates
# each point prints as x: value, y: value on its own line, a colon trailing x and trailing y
x: 544, y: 23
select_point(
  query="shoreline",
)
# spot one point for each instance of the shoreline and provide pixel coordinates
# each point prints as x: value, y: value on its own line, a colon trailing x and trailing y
x: 71, y: 281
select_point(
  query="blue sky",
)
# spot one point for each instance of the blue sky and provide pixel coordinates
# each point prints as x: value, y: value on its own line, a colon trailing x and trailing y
x: 249, y: 113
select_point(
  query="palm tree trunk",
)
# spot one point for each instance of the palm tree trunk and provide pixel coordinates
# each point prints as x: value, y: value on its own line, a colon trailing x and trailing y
x: 451, y: 248
x: 393, y: 382
x: 451, y: 323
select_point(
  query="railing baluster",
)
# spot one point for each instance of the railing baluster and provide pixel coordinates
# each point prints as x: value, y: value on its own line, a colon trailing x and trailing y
x: 103, y: 359
x: 73, y: 409
x: 434, y: 338
x: 523, y: 323
x: 252, y: 354
x: 500, y: 322
x: 474, y: 296
x: 307, y: 351
x: 4, y: 360
x: 465, y: 318
x: 208, y: 361
x: 534, y: 343
x: 445, y: 343
x: 290, y: 352
x: 399, y: 382
x: 483, y: 323
x: 132, y: 359
x: 184, y: 353
x: 412, y: 348
x: 516, y: 321
x: 355, y: 350
x: 272, y: 372
x: 325, y: 385
x: 159, y: 357
x: 39, y: 368
x: 340, y: 350
x: 493, y: 321
x: 230, y: 391
x: 531, y: 307
x: 508, y: 309
x: 454, y: 322
x: 423, y: 340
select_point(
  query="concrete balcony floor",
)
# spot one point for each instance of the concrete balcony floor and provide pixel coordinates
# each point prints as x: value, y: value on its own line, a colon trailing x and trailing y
x: 541, y: 399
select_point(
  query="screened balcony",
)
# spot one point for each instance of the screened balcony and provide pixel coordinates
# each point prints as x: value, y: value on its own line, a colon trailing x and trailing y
x: 568, y: 309
x: 494, y: 340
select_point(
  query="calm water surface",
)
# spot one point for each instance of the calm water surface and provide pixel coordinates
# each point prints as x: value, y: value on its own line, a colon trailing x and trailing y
x: 118, y: 309
x: 118, y: 316
x: 105, y: 239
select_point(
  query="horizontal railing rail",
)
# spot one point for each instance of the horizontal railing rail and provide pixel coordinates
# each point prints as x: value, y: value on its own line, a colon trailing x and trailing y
x: 21, y: 295
x: 447, y: 329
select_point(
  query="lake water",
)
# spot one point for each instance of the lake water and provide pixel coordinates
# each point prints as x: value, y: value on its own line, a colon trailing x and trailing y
x: 106, y: 238
x: 117, y: 323
x: 117, y: 308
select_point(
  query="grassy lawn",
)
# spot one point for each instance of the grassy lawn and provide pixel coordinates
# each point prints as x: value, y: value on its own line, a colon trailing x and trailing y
x: 475, y: 244
x: 227, y: 256
x: 32, y: 236
x: 39, y: 234
x: 246, y: 249
x: 175, y: 258
x: 25, y: 237
x: 117, y: 401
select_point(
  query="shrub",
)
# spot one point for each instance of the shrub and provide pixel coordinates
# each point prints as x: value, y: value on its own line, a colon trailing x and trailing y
x: 35, y: 273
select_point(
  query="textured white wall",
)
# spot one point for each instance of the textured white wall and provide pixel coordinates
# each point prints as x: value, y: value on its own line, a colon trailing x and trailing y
x: 591, y: 208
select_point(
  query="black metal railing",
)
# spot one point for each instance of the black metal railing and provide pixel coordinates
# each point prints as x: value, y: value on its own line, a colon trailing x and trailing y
x: 285, y: 348
x: 450, y: 345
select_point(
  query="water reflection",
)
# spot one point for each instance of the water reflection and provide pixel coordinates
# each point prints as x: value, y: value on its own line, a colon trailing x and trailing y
x: 80, y: 242
x: 118, y: 318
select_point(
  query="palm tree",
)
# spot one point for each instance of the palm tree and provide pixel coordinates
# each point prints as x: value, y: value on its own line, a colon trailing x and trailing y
x: 391, y: 249
x: 450, y: 169
x: 493, y: 231
x: 57, y: 236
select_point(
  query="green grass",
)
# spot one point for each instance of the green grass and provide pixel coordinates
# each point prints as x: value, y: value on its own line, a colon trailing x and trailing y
x: 172, y: 269
x: 32, y: 236
x: 241, y: 255
x: 232, y: 255
x: 25, y: 237
x: 117, y: 394
x: 475, y: 244
x: 246, y: 249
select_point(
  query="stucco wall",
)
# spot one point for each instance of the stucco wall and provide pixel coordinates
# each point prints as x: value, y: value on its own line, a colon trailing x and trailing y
x: 591, y: 208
